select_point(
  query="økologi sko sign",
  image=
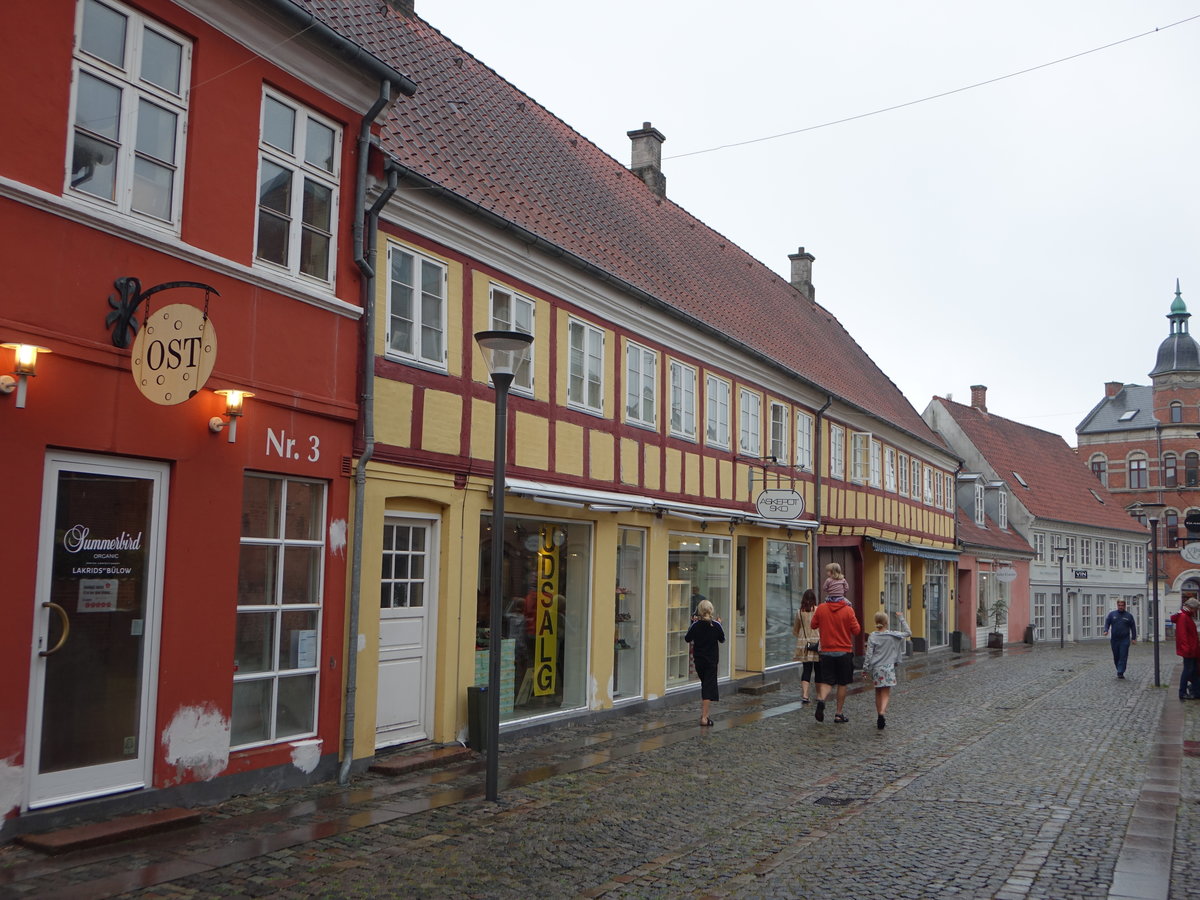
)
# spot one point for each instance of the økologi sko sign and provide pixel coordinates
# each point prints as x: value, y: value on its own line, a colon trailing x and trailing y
x: 174, y: 354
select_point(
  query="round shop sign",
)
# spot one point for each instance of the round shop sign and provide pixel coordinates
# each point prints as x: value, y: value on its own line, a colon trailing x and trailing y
x: 174, y: 354
x: 777, y: 503
x: 1191, y: 553
x: 1006, y: 574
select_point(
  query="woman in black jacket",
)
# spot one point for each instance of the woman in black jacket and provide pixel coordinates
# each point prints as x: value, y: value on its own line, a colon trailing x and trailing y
x: 705, y: 635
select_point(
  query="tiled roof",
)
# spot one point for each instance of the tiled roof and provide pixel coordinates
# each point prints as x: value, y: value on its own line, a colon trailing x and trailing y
x: 991, y: 536
x: 1130, y: 409
x: 1057, y: 485
x: 470, y: 131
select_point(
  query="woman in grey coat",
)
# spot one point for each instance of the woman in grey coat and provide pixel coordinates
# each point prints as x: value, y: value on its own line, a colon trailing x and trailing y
x: 885, y: 649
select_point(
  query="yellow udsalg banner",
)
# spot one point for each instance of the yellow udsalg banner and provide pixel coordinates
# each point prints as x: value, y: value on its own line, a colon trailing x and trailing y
x: 545, y: 643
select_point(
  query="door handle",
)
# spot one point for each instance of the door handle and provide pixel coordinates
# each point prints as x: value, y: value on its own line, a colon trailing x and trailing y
x: 66, y: 627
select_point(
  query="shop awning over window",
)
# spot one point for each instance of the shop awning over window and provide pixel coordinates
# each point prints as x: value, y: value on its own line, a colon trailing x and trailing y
x: 902, y: 549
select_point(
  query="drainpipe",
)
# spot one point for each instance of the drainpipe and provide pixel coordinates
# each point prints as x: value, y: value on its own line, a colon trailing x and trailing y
x: 366, y: 224
x: 817, y: 482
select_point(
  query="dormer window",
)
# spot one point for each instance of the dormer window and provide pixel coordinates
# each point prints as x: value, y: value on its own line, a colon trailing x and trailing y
x: 979, y: 513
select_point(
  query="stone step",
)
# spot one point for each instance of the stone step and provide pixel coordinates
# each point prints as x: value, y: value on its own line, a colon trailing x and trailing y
x: 94, y: 834
x: 403, y: 763
x: 763, y: 687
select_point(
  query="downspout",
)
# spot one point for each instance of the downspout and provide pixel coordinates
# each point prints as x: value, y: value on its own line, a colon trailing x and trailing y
x: 817, y: 484
x: 364, y: 258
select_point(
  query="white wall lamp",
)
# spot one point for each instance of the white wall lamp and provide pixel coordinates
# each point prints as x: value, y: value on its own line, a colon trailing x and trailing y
x: 25, y: 366
x: 234, y: 403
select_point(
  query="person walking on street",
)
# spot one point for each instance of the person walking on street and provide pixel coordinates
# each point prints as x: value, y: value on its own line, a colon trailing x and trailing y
x: 1187, y: 645
x: 705, y: 635
x: 1121, y: 627
x: 807, y: 639
x: 838, y: 625
x: 885, y: 649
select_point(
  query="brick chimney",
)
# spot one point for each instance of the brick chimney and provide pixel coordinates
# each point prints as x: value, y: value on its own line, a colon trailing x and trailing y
x: 1112, y: 388
x: 647, y: 158
x: 979, y: 397
x: 406, y: 8
x: 802, y: 273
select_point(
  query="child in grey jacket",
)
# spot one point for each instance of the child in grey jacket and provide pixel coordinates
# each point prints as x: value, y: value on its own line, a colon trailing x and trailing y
x: 885, y: 649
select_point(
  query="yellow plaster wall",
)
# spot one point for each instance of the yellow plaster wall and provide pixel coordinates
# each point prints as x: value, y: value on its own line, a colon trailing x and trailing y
x: 691, y: 474
x: 725, y: 470
x: 604, y: 611
x: 630, y: 456
x: 600, y: 455
x: 652, y: 474
x: 674, y: 475
x: 483, y: 429
x: 568, y: 448
x: 532, y: 441
x: 756, y: 606
x: 393, y: 412
x: 442, y: 422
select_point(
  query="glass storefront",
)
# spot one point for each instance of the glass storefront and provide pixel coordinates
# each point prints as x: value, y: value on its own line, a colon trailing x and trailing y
x: 787, y: 579
x: 698, y: 568
x: 544, y: 631
x: 936, y: 582
x: 630, y: 608
x: 895, y: 575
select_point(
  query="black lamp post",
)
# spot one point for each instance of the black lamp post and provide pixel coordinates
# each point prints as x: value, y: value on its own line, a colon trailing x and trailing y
x: 1153, y: 520
x: 504, y: 352
x: 1061, y: 553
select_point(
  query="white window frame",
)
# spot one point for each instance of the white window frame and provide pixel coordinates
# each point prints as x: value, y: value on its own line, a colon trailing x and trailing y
x: 916, y: 478
x: 641, y: 385
x: 125, y: 77
x: 939, y: 490
x: 1085, y: 552
x: 781, y: 434
x: 518, y: 316
x: 716, y: 401
x: 1002, y: 503
x: 419, y: 349
x: 749, y: 423
x: 804, y: 440
x: 301, y: 172
x: 902, y: 471
x: 585, y: 366
x: 948, y: 480
x: 1071, y: 550
x: 1098, y: 554
x: 980, y: 515
x: 1126, y: 556
x: 860, y: 456
x: 927, y: 484
x: 683, y: 400
x: 889, y: 469
x: 1039, y: 546
x: 837, y: 451
x: 1112, y: 555
x: 875, y: 474
x: 278, y: 608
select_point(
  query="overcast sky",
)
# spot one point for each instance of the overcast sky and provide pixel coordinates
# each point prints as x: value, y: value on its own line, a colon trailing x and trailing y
x: 1025, y: 235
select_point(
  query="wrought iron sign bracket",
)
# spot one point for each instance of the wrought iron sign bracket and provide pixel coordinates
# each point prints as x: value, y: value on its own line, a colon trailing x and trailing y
x: 122, y: 320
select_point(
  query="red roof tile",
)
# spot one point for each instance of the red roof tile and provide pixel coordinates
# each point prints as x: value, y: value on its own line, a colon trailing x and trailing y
x: 991, y: 536
x: 470, y: 131
x: 1058, y: 485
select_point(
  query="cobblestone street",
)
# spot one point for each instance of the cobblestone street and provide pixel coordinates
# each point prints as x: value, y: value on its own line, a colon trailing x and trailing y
x: 1031, y: 773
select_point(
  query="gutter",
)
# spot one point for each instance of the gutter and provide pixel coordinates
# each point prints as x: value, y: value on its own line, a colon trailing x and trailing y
x: 364, y: 258
x: 343, y: 48
x: 534, y: 240
x: 818, y: 419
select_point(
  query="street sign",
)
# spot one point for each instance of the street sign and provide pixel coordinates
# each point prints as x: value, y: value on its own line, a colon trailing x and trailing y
x: 779, y: 503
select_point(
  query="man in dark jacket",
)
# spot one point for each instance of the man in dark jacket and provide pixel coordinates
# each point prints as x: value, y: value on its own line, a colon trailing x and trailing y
x: 1187, y: 645
x: 1123, y: 628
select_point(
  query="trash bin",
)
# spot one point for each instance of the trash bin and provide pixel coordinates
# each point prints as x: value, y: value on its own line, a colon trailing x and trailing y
x: 477, y: 716
x: 1029, y: 631
x: 956, y: 641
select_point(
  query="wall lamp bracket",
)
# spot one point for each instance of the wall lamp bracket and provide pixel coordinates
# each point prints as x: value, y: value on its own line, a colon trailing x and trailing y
x: 24, y: 368
x: 234, y: 408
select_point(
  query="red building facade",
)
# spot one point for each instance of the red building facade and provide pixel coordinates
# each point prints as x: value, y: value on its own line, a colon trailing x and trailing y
x: 180, y: 216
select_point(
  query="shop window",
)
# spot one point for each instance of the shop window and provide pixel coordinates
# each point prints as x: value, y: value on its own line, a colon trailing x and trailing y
x: 545, y: 601
x: 299, y: 156
x: 630, y: 609
x: 280, y: 576
x: 895, y: 584
x: 698, y: 568
x: 936, y: 581
x: 787, y: 579
x: 131, y: 85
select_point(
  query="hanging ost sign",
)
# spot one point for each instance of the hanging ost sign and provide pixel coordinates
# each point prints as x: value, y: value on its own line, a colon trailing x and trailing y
x: 174, y: 354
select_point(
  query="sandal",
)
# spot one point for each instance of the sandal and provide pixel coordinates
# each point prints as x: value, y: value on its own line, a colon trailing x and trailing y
x: 840, y: 719
x: 707, y: 722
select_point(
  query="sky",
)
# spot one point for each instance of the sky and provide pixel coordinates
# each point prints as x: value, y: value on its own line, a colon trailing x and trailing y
x: 1025, y: 234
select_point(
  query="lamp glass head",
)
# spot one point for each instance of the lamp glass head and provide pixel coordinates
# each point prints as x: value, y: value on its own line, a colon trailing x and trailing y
x: 504, y: 351
x: 26, y: 357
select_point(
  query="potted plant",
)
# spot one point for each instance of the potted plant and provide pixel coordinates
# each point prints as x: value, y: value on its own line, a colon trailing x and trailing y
x: 997, y: 615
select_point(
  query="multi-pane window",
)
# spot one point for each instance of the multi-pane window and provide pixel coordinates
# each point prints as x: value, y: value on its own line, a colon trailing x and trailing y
x: 1039, y: 615
x: 280, y: 575
x: 927, y: 489
x: 1099, y: 553
x: 512, y: 312
x: 979, y: 506
x: 298, y: 166
x: 1171, y: 527
x: 939, y: 487
x: 641, y: 385
x: 1170, y: 470
x: 1176, y: 411
x: 837, y: 451
x: 683, y: 400
x: 860, y: 461
x: 1002, y: 504
x: 1085, y: 552
x: 585, y: 369
x: 1039, y: 546
x: 416, y: 324
x: 750, y: 423
x: 405, y: 566
x: 1100, y: 469
x: 717, y: 394
x: 1137, y: 478
x: 804, y: 440
x: 889, y: 469
x: 876, y: 473
x: 1126, y: 556
x: 780, y: 435
x: 1085, y: 615
x: 1071, y: 547
x: 1139, y: 557
x: 1112, y: 554
x: 1191, y: 469
x: 902, y: 471
x: 916, y: 479
x: 131, y: 86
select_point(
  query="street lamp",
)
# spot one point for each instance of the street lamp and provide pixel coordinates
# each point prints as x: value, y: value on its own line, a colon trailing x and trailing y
x: 503, y: 352
x: 1061, y: 553
x: 1151, y: 511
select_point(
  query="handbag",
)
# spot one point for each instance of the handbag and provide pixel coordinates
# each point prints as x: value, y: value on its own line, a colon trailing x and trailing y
x: 812, y: 646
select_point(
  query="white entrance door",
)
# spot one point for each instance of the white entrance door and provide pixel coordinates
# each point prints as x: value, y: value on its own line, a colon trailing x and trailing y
x: 95, y: 638
x: 407, y: 612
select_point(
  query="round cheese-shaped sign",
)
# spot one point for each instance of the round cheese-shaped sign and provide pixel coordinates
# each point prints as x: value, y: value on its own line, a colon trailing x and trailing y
x: 174, y: 354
